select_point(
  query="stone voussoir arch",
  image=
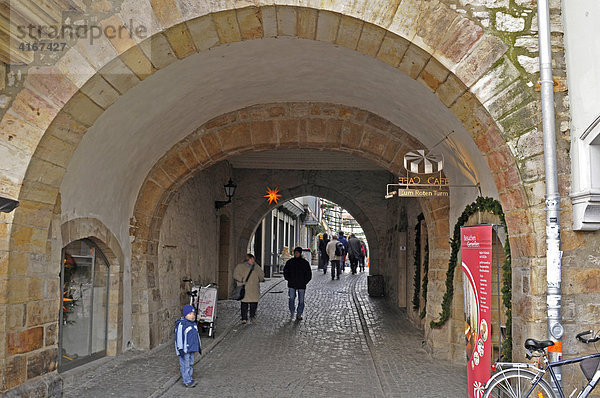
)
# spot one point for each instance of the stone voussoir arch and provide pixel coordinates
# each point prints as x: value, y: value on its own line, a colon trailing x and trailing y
x: 272, y: 126
x: 332, y: 127
x: 443, y: 50
x: 304, y: 190
x: 446, y: 52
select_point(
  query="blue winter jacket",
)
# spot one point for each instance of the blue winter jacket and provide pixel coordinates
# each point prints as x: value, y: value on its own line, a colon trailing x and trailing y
x: 187, y: 337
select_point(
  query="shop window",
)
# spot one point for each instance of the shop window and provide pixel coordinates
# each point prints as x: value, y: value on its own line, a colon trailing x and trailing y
x: 84, y: 304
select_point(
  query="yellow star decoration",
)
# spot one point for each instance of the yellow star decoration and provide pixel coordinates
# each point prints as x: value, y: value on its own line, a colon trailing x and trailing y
x: 272, y: 195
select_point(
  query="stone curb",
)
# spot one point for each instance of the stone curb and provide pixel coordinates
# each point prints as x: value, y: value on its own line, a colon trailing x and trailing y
x: 165, y: 387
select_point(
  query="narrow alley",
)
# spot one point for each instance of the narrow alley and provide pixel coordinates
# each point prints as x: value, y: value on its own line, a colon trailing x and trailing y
x: 347, y: 345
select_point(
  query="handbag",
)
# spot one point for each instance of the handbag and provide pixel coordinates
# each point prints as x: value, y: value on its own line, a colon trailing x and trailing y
x: 240, y: 291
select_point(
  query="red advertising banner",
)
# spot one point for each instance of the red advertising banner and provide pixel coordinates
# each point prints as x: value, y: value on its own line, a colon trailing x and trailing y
x: 476, y: 249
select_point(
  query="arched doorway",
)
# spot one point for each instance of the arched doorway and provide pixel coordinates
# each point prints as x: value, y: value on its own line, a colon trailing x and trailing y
x: 84, y: 304
x: 301, y: 222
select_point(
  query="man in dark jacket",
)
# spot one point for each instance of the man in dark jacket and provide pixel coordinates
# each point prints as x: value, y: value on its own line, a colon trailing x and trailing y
x: 354, y: 247
x: 323, y: 252
x: 298, y: 273
x: 342, y: 239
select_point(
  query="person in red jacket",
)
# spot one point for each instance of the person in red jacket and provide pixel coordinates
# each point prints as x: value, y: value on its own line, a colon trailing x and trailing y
x: 298, y: 273
x: 363, y: 255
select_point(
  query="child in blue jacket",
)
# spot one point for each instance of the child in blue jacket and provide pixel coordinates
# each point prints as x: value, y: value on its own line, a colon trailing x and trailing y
x: 187, y: 342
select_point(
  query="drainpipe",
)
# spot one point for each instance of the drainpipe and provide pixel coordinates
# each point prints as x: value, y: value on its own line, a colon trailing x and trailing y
x: 553, y: 253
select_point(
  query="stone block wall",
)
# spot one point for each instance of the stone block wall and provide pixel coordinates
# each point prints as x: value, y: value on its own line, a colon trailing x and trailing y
x: 397, y: 265
x: 188, y: 244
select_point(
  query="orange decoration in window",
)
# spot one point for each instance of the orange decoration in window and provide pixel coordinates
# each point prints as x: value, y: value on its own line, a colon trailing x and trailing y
x: 272, y: 195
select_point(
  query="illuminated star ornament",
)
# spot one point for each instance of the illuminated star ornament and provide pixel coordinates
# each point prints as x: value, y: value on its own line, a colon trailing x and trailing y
x: 272, y: 195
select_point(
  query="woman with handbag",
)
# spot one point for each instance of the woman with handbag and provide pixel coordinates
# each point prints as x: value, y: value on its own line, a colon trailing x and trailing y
x: 249, y: 274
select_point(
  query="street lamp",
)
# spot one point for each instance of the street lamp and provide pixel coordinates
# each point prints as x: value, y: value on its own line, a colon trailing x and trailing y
x: 7, y: 205
x: 229, y: 191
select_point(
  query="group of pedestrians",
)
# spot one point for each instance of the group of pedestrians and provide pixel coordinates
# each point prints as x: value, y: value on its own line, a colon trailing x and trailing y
x: 297, y: 272
x: 334, y: 251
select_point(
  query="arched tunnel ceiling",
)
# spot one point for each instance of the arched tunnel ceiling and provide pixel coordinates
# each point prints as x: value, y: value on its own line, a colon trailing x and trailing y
x: 116, y: 154
x: 301, y: 159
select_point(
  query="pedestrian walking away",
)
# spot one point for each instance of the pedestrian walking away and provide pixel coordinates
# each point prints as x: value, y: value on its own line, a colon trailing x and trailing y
x: 249, y: 274
x: 363, y: 255
x: 344, y: 241
x: 333, y: 247
x: 187, y: 342
x: 298, y: 273
x: 323, y: 252
x: 354, y: 247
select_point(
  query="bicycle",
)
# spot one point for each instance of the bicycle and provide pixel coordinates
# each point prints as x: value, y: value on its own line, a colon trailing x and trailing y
x: 204, y: 301
x: 517, y: 380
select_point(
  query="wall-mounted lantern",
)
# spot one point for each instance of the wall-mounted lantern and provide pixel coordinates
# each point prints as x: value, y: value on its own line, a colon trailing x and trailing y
x: 229, y: 191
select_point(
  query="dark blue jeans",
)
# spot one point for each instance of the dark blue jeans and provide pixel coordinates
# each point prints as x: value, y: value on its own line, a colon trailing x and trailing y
x: 292, y: 295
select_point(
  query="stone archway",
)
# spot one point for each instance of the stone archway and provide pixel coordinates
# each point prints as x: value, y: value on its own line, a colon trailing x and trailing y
x: 50, y: 116
x: 259, y: 128
x: 257, y: 214
x: 80, y: 111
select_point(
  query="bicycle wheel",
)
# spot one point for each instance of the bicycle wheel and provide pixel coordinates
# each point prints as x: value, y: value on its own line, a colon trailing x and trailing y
x: 516, y: 383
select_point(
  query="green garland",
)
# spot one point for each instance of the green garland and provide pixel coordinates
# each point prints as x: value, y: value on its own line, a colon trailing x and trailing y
x: 416, y: 301
x: 507, y: 300
x: 425, y: 280
x: 493, y: 206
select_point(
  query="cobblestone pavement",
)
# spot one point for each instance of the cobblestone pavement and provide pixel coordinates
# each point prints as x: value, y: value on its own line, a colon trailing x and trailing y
x: 348, y: 345
x: 145, y: 373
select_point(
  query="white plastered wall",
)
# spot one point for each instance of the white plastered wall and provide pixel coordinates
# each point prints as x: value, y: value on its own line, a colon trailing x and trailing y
x: 580, y: 19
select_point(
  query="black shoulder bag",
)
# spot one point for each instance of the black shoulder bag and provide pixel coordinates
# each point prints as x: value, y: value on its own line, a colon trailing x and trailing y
x: 240, y: 291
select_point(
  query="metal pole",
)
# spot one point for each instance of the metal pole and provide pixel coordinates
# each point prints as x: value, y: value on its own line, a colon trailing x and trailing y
x: 553, y: 253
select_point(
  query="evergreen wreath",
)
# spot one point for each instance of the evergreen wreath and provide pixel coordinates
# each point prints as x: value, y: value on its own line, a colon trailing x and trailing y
x: 492, y: 206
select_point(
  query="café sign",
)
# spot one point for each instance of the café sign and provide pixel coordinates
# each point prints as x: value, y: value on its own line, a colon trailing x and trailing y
x: 423, y: 176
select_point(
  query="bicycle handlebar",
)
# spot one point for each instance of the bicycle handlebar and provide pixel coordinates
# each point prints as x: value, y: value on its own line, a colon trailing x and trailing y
x: 191, y: 281
x: 593, y: 339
